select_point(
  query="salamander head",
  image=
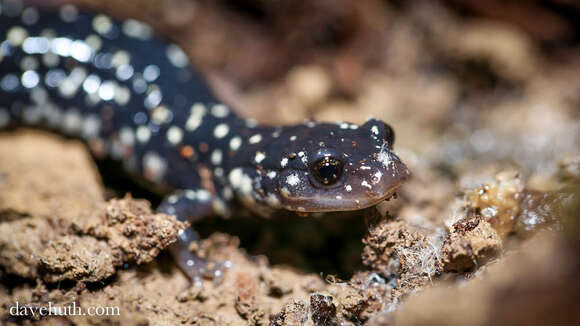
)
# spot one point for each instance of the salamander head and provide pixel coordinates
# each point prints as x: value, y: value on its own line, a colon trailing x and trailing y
x: 332, y: 167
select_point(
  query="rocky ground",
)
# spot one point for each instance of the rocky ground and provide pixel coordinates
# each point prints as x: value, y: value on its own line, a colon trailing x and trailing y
x: 486, y: 109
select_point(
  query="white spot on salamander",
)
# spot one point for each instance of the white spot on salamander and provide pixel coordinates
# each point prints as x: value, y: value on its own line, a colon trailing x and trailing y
x: 122, y: 95
x: 240, y: 181
x: 107, y: 91
x: 364, y: 183
x: 172, y: 199
x: 284, y: 162
x: 220, y: 111
x: 30, y: 79
x: 190, y: 194
x: 81, y: 51
x: 203, y: 195
x: 94, y: 41
x: 377, y: 177
x: 16, y: 35
x: 216, y: 157
x: 125, y: 72
x: 260, y: 156
x: 143, y: 134
x: 137, y: 29
x: 235, y: 143
x: 102, y: 24
x: 235, y: 177
x: 176, y: 55
x: 154, y: 97
x: 384, y: 155
x: 255, y: 139
x: 251, y: 123
x: 161, y: 115
x: 195, y: 117
x: 303, y: 157
x: 36, y: 45
x: 61, y: 46
x: 91, y: 84
x: 221, y: 130
x: 151, y: 73
x: 293, y: 180
x: 174, y: 135
x: 154, y: 166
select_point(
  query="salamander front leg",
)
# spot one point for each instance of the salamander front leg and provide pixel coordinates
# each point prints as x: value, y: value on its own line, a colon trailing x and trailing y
x: 193, y: 205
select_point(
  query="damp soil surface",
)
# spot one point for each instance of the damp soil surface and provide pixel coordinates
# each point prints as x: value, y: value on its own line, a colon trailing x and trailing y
x: 486, y: 111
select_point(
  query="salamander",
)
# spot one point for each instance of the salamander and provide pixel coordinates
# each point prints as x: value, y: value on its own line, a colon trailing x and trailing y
x: 136, y: 98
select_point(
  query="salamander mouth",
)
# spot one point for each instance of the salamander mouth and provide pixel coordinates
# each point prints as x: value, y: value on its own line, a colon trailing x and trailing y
x: 365, y: 200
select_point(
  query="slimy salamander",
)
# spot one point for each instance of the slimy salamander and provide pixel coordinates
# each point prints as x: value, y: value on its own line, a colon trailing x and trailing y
x: 137, y: 99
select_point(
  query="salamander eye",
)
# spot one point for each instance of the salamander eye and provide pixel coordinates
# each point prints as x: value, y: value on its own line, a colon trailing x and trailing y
x: 327, y: 170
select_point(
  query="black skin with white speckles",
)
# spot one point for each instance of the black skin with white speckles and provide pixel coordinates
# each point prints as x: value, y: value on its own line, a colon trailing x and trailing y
x: 135, y: 98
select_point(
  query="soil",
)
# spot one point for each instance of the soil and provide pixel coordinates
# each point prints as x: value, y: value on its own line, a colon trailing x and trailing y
x: 486, y: 110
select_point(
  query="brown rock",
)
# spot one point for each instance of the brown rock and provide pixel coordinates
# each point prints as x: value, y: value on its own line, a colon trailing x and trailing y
x: 471, y: 242
x: 84, y: 259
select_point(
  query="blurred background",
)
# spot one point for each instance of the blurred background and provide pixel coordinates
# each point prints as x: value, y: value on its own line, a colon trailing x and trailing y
x: 484, y: 98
